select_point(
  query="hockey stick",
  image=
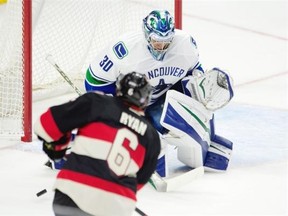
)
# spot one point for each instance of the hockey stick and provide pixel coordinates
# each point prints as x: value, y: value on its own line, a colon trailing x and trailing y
x: 140, y: 212
x: 171, y: 184
x: 50, y: 59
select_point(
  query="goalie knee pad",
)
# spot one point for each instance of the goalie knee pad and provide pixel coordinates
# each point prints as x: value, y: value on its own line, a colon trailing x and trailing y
x: 218, y: 155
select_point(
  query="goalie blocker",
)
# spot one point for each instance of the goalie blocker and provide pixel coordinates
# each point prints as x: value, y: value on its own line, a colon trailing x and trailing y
x: 191, y: 129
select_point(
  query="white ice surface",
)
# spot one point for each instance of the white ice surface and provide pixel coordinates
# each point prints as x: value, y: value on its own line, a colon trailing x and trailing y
x: 250, y: 40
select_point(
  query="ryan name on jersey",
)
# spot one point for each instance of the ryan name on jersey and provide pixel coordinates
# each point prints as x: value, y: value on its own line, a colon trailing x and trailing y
x: 134, y: 123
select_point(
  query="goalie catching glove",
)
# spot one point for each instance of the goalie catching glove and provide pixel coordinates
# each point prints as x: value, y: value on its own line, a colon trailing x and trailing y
x: 57, y: 149
x: 214, y: 88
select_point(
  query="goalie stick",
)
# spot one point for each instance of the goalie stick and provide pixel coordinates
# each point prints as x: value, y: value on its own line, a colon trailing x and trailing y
x: 173, y: 183
x: 159, y: 183
x: 50, y: 59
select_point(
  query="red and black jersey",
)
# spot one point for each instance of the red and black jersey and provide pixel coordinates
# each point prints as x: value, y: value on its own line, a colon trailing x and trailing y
x: 114, y: 153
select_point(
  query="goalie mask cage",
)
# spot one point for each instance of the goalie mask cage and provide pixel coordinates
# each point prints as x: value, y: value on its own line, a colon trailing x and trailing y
x: 73, y: 32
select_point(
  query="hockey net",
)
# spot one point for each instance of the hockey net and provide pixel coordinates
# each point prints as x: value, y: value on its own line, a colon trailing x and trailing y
x: 72, y: 32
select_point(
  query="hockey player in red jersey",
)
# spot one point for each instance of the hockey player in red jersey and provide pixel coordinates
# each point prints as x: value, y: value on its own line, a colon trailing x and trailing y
x: 114, y: 153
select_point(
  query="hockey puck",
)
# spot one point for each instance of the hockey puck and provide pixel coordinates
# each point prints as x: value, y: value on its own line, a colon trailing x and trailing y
x: 41, y: 192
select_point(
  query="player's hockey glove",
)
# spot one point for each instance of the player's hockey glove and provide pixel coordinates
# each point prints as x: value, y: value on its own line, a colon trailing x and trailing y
x: 57, y: 149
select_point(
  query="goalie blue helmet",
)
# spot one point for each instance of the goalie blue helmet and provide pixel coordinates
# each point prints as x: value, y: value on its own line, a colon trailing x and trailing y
x: 158, y: 29
x: 134, y: 88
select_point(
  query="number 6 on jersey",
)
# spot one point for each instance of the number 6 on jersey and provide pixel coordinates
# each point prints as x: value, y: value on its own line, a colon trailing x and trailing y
x: 119, y: 157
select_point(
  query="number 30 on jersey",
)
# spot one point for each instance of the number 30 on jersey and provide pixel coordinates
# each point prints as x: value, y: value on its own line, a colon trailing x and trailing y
x: 106, y: 63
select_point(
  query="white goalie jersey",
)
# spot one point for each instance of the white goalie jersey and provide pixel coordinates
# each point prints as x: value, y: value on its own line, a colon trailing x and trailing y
x: 130, y: 53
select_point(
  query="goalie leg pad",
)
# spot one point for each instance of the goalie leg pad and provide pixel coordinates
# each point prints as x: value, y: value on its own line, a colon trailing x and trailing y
x: 189, y: 119
x: 218, y: 155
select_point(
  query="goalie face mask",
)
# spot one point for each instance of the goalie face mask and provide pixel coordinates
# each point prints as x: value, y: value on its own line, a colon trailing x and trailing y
x: 158, y: 29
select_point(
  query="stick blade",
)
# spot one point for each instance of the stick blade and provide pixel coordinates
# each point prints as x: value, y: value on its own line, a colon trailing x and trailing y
x: 158, y: 182
x: 174, y: 183
x: 184, y: 179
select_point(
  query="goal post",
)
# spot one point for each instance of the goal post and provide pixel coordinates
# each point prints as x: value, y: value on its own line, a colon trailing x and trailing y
x: 178, y: 13
x: 16, y: 70
x: 73, y: 32
x: 27, y: 71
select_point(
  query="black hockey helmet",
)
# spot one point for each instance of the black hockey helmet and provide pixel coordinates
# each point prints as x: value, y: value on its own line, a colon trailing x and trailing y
x: 134, y: 88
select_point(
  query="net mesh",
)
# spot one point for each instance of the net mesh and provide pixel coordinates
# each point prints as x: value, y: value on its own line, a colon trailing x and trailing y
x: 73, y: 32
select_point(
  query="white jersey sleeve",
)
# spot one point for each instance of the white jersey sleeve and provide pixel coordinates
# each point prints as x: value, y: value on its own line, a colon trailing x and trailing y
x: 104, y: 66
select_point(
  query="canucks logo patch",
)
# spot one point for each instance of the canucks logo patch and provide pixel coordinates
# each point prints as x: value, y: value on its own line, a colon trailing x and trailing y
x: 120, y: 50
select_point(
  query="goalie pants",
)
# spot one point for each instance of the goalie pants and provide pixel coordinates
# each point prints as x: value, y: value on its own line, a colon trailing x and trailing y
x: 63, y: 205
x: 153, y: 113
